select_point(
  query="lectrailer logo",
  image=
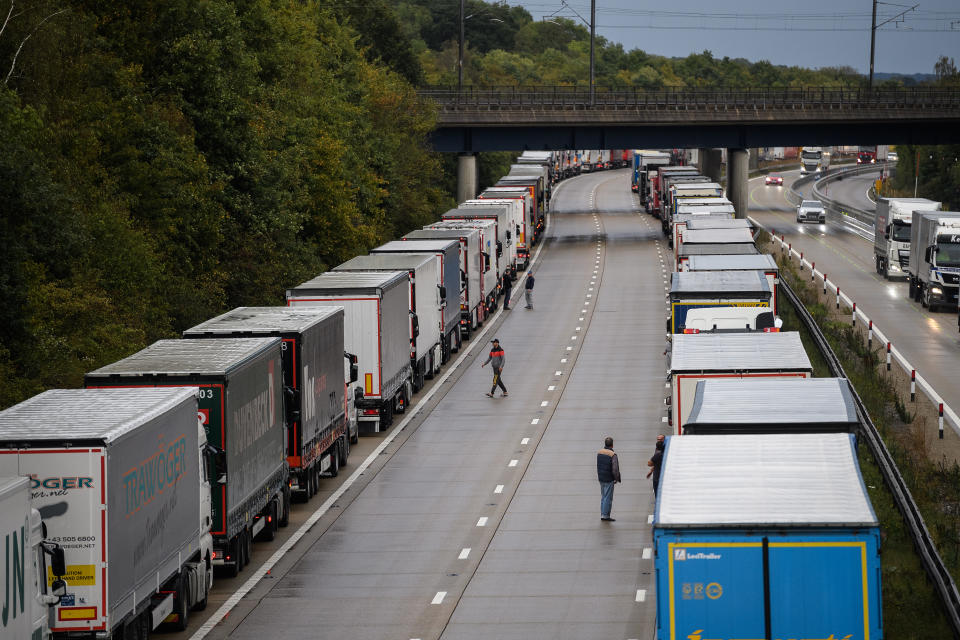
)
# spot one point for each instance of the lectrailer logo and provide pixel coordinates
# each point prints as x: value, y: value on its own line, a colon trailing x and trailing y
x: 681, y: 555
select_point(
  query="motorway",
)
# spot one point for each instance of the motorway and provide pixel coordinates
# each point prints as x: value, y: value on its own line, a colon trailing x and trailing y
x: 481, y: 518
x: 930, y: 341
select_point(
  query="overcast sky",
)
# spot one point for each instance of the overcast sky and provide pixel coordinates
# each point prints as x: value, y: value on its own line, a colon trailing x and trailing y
x: 809, y: 33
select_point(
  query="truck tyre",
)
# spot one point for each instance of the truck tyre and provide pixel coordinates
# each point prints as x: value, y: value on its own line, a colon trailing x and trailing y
x: 284, y: 518
x: 344, y: 450
x: 269, y: 531
x: 355, y: 438
x: 334, y: 469
x: 233, y: 550
x: 247, y: 546
x: 182, y: 605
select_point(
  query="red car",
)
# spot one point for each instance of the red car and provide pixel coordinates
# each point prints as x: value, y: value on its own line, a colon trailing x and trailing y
x: 777, y: 180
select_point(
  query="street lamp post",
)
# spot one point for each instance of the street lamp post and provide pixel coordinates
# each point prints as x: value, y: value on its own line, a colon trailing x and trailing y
x: 593, y: 25
x: 460, y: 54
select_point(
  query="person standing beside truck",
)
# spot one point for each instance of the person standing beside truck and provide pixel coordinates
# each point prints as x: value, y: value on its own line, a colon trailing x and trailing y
x: 496, y: 359
x: 529, y: 290
x: 507, y: 287
x: 608, y: 473
x: 656, y: 462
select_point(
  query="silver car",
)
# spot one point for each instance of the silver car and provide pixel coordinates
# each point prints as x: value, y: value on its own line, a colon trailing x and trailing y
x: 811, y: 211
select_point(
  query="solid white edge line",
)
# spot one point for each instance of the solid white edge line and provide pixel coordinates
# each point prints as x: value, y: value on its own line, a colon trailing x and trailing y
x: 298, y: 535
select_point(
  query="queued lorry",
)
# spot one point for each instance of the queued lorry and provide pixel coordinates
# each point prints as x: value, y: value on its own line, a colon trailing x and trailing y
x: 763, y: 263
x: 659, y: 191
x: 446, y: 288
x: 891, y: 233
x: 934, y: 267
x: 645, y: 164
x: 424, y: 303
x: 26, y: 601
x: 488, y: 272
x: 376, y: 329
x: 765, y: 536
x: 804, y: 405
x: 472, y: 265
x: 730, y: 355
x: 316, y: 414
x: 239, y: 383
x: 668, y: 189
x: 120, y: 479
x: 682, y: 192
x: 700, y: 289
x: 501, y: 215
x: 711, y: 237
x: 521, y: 232
x: 701, y: 214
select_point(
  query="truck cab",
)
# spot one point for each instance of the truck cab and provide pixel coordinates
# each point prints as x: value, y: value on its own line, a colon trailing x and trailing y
x: 892, y: 224
x: 935, y: 258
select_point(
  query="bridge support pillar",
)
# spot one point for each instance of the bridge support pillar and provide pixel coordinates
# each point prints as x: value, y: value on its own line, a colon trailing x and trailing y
x: 710, y: 163
x: 467, y: 176
x: 737, y: 161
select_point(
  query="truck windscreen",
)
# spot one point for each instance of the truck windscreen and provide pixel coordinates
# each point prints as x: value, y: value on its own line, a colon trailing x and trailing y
x: 948, y: 254
x: 900, y: 232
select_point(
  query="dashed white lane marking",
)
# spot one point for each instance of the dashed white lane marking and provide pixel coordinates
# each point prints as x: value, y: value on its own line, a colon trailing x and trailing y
x: 437, y: 599
x: 641, y: 595
x: 544, y: 403
x: 551, y: 388
x: 526, y: 440
x: 569, y: 348
x: 513, y: 463
x: 650, y: 519
x: 587, y: 302
x: 647, y: 553
x: 535, y: 421
x: 590, y: 295
x: 558, y: 373
x: 464, y: 553
x: 482, y: 522
x: 666, y: 385
x: 663, y: 419
x: 581, y: 320
x: 573, y: 337
x: 578, y: 329
x: 563, y: 360
x: 498, y: 489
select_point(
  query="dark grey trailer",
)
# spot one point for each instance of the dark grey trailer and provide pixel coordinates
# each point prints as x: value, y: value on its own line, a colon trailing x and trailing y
x: 318, y: 436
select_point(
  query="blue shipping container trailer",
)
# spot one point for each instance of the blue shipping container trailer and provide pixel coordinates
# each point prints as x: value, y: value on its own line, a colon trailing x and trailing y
x: 766, y: 536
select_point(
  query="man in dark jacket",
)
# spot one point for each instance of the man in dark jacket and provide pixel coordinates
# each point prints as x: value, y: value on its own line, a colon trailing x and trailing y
x: 656, y: 462
x: 528, y: 286
x: 497, y: 359
x: 608, y: 473
x: 507, y: 287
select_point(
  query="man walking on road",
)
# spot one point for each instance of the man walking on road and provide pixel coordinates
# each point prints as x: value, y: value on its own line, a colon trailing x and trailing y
x: 496, y: 359
x: 656, y: 462
x: 608, y: 473
x: 507, y: 287
x: 529, y: 290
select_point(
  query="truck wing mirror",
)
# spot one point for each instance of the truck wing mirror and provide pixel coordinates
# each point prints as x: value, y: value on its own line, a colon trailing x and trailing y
x: 58, y: 589
x: 508, y: 234
x: 443, y: 292
x: 499, y: 248
x: 357, y: 394
x: 354, y: 370
x: 58, y: 563
x: 886, y: 233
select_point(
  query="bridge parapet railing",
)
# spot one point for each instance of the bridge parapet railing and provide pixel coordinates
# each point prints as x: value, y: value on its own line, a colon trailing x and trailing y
x: 534, y: 96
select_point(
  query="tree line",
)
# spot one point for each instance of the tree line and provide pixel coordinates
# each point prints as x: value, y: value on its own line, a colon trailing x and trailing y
x: 165, y: 161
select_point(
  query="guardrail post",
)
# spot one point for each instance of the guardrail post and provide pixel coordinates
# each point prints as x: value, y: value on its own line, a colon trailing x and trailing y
x: 824, y: 284
x: 853, y: 316
x: 888, y: 356
x: 940, y: 421
x: 870, y: 335
x: 801, y: 261
x: 838, y: 298
x: 913, y: 385
x: 813, y: 270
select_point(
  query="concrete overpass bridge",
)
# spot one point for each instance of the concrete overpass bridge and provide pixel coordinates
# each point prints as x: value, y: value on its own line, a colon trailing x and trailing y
x: 544, y: 117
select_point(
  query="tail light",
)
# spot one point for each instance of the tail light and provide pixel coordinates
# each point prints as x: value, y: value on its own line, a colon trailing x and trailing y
x: 215, y: 555
x: 370, y: 412
x: 771, y: 330
x: 688, y: 331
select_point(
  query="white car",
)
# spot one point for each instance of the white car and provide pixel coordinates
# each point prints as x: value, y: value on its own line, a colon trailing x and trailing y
x: 811, y: 211
x: 892, y: 156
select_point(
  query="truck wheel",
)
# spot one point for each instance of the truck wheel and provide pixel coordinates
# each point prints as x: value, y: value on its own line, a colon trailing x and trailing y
x: 233, y: 550
x: 247, y: 546
x: 925, y: 297
x: 344, y: 450
x: 182, y: 606
x: 284, y: 518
